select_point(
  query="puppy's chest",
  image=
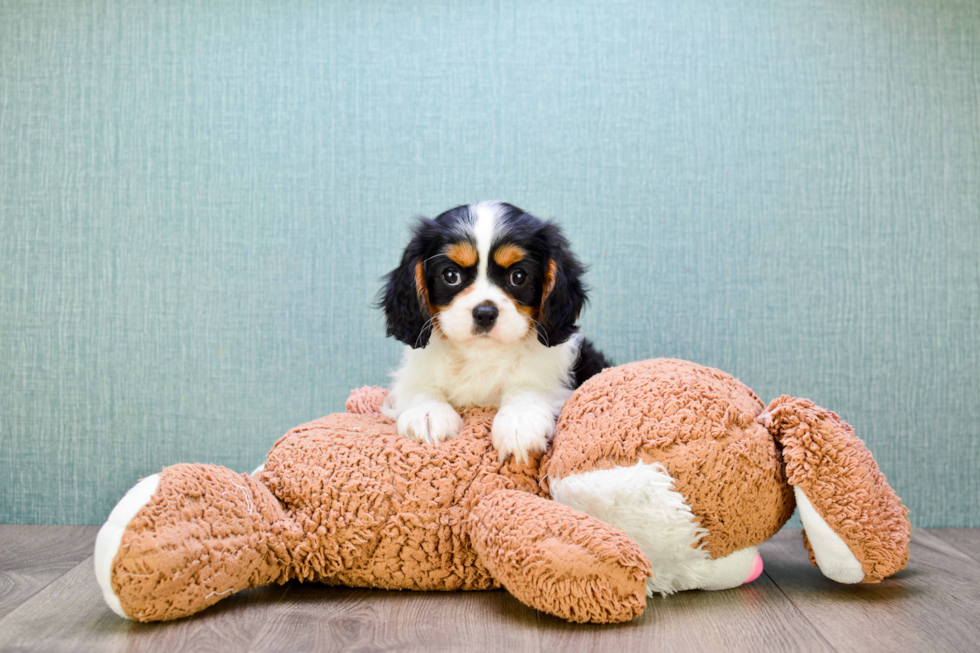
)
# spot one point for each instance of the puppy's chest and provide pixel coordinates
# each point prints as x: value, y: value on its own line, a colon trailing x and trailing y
x: 479, y: 381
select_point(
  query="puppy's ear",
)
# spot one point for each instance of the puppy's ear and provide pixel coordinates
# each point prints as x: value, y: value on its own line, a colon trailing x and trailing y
x: 405, y: 298
x: 563, y: 294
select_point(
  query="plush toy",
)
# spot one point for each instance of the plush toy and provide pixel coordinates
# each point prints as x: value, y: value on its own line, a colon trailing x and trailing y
x: 663, y: 476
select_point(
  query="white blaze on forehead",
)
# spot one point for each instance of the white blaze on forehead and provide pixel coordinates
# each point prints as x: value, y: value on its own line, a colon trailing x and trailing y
x: 485, y: 216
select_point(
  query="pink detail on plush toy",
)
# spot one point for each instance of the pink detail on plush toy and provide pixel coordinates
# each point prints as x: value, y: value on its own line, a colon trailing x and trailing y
x: 756, y: 570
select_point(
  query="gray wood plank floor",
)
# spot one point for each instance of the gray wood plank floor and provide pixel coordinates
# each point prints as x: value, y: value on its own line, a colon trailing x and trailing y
x: 49, y: 601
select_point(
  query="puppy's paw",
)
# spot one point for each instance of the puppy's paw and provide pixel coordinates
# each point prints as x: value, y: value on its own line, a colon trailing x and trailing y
x: 430, y: 421
x: 522, y: 429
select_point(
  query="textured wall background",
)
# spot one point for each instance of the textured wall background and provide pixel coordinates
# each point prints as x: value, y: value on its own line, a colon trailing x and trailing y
x: 197, y: 200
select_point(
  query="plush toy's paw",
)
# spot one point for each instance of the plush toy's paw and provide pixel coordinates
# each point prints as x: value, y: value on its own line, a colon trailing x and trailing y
x: 430, y: 421
x: 559, y: 560
x: 522, y: 429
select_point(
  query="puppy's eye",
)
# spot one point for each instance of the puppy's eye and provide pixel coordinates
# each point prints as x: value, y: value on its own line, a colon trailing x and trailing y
x: 518, y: 277
x: 451, y: 277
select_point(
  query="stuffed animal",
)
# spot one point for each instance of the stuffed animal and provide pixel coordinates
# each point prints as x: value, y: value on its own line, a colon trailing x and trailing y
x: 663, y: 476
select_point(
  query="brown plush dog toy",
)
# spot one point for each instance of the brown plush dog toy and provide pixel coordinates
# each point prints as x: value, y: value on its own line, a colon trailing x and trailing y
x: 663, y: 476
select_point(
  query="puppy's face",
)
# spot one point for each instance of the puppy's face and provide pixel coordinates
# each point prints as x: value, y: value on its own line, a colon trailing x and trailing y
x: 487, y: 275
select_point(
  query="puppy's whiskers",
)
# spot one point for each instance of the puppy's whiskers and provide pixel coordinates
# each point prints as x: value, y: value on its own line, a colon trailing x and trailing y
x: 427, y: 325
x: 539, y: 329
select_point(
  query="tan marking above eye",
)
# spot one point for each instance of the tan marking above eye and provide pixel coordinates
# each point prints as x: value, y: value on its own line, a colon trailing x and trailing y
x: 463, y: 254
x: 507, y: 255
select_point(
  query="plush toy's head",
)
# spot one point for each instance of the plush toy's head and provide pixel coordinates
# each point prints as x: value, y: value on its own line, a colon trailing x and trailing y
x: 696, y: 421
x: 671, y: 432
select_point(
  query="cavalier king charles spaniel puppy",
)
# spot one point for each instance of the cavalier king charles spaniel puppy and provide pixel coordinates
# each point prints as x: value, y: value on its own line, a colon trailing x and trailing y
x: 486, y: 298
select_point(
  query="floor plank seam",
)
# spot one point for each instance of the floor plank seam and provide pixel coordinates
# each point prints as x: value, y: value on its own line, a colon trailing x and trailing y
x: 33, y: 596
x: 973, y: 555
x: 802, y: 614
x: 28, y: 599
x: 287, y: 588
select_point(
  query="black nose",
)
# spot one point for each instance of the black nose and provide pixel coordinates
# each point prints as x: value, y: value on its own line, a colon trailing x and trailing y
x: 485, y: 315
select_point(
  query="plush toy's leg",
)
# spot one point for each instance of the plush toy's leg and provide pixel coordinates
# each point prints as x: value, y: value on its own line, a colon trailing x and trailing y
x: 559, y: 560
x: 856, y: 528
x: 110, y: 536
x: 641, y: 501
x: 184, y: 539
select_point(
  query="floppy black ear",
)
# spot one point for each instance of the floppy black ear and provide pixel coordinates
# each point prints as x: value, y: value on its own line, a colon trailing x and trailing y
x: 404, y: 298
x: 563, y: 294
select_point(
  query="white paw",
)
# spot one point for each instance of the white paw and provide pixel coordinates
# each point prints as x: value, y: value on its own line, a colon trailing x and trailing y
x: 520, y: 430
x: 430, y: 421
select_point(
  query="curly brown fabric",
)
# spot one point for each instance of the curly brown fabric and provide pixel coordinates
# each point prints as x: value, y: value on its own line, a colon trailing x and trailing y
x: 700, y: 424
x: 366, y: 400
x: 345, y: 500
x: 206, y: 533
x: 342, y: 500
x: 559, y: 560
x: 842, y: 480
x: 381, y: 510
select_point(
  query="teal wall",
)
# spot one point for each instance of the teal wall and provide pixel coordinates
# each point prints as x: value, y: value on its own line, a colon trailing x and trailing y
x: 197, y: 200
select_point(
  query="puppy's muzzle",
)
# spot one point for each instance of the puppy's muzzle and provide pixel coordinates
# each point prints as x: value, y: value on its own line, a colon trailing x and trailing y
x: 484, y: 316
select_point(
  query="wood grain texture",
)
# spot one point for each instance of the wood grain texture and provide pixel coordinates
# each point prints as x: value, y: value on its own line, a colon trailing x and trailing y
x: 929, y: 606
x: 792, y: 607
x: 965, y: 540
x: 71, y: 615
x: 335, y: 619
x: 31, y: 557
x: 753, y: 618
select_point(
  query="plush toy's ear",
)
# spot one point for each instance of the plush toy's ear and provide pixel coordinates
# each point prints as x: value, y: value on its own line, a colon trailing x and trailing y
x: 856, y: 528
x: 563, y: 294
x: 405, y: 298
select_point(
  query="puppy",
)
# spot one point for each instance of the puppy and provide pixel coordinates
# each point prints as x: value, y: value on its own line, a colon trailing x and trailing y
x: 486, y: 298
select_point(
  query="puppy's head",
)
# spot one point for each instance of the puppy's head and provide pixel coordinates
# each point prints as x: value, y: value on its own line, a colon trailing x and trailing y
x: 487, y: 275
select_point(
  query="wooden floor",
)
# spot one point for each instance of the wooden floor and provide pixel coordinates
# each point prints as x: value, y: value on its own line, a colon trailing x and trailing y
x: 49, y: 601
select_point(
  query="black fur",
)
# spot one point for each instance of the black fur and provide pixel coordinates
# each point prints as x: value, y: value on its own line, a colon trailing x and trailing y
x: 408, y: 318
x: 545, y: 243
x: 406, y: 315
x: 590, y: 361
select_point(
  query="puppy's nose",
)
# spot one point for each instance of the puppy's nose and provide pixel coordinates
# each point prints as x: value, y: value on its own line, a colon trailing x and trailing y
x: 485, y: 315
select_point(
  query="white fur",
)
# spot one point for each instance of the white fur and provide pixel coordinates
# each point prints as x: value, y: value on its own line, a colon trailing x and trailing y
x: 834, y: 557
x: 430, y: 420
x: 641, y: 501
x: 109, y: 539
x: 456, y: 321
x: 507, y: 367
x: 525, y: 423
x: 527, y: 381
